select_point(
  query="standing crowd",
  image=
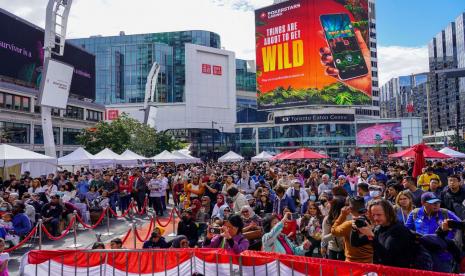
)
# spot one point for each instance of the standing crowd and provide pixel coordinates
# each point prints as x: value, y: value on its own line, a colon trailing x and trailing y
x: 365, y: 212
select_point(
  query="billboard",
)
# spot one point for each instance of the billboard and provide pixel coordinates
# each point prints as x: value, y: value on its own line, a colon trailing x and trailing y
x: 379, y: 133
x: 313, y: 52
x: 21, y: 50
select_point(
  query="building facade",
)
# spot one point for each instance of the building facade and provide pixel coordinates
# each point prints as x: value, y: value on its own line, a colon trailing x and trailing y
x: 445, y: 97
x: 405, y: 96
x: 20, y: 75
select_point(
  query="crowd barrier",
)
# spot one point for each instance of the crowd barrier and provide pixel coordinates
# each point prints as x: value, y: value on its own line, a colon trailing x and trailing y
x: 189, y: 261
x: 76, y: 219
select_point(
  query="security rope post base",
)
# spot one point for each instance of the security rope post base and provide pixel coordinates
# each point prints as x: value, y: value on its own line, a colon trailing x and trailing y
x: 108, y: 233
x: 173, y: 217
x: 75, y: 244
x: 40, y: 233
x: 134, y: 229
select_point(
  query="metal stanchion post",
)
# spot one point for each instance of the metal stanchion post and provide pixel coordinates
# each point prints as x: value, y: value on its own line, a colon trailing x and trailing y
x: 40, y: 233
x: 134, y: 229
x: 146, y: 203
x: 174, y: 226
x: 75, y: 244
x: 108, y: 233
x: 131, y: 208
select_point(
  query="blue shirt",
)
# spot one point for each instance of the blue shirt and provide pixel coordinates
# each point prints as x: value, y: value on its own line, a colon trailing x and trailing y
x: 423, y: 224
x: 82, y: 187
x: 21, y: 224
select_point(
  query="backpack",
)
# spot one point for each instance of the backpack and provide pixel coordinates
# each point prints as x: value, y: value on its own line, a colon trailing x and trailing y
x: 445, y: 214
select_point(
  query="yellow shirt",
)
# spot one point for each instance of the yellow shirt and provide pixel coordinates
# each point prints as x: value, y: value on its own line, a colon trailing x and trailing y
x: 424, y: 179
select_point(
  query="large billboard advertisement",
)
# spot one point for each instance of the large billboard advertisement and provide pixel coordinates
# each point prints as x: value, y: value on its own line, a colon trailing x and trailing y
x: 373, y: 134
x: 313, y: 52
x: 22, y: 57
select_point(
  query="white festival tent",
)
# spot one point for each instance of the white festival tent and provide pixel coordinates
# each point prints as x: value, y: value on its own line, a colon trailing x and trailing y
x: 81, y: 157
x: 130, y: 155
x: 36, y: 163
x: 231, y: 156
x: 452, y: 153
x: 108, y: 154
x: 263, y: 156
x: 187, y: 159
x: 166, y: 157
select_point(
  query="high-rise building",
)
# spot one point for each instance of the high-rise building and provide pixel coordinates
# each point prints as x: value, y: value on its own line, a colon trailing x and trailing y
x: 123, y: 63
x: 445, y: 51
x: 405, y: 96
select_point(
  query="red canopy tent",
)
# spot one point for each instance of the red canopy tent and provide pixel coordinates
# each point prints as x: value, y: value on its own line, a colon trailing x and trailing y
x: 280, y: 155
x: 304, y: 153
x: 426, y: 150
x: 420, y: 152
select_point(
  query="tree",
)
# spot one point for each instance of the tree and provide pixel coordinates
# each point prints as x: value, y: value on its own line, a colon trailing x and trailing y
x: 458, y: 143
x: 126, y: 133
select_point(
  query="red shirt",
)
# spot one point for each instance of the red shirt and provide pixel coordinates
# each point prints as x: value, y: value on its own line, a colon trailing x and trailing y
x: 125, y: 186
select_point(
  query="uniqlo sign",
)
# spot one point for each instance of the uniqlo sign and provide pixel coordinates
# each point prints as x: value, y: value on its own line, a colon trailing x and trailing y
x: 207, y: 69
x: 112, y: 114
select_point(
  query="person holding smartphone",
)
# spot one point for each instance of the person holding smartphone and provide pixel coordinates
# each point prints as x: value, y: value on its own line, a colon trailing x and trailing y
x: 275, y: 241
x: 228, y: 237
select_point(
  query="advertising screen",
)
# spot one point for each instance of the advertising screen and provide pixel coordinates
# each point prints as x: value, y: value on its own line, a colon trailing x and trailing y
x: 22, y: 54
x: 313, y: 52
x: 373, y: 134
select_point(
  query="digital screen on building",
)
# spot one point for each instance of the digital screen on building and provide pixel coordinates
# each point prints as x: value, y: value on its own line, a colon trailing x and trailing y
x: 382, y: 133
x: 22, y: 54
x: 313, y: 52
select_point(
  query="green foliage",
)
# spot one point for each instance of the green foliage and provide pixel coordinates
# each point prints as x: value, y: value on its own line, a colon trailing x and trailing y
x: 334, y: 94
x: 126, y: 133
x: 458, y: 143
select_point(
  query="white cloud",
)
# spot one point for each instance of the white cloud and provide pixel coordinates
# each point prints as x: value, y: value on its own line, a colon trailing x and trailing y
x: 394, y: 61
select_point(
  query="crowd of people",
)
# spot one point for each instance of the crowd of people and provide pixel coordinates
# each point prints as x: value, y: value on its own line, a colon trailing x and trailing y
x: 366, y: 212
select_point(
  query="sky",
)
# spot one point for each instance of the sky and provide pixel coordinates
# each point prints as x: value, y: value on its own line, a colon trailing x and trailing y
x: 404, y: 27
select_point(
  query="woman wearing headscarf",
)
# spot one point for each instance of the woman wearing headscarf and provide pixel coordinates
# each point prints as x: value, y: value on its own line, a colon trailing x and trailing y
x: 225, y: 212
x: 195, y: 207
x: 220, y: 202
x: 252, y: 227
x: 180, y: 241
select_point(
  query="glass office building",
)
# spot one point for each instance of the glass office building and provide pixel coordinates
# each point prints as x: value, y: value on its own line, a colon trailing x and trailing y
x: 123, y: 63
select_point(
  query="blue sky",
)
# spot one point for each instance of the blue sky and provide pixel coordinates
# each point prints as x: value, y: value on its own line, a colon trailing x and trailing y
x: 414, y: 22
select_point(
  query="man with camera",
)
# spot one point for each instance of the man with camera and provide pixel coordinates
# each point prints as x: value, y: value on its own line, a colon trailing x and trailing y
x: 343, y: 228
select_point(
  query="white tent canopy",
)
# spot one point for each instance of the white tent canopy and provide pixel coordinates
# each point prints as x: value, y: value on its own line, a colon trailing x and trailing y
x: 81, y: 157
x: 263, y: 156
x: 186, y: 158
x: 108, y: 154
x: 130, y: 155
x: 10, y: 155
x: 231, y: 156
x: 165, y: 157
x: 452, y: 153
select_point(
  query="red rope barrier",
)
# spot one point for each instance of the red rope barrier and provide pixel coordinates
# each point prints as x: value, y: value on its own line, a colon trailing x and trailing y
x: 127, y: 236
x: 170, y: 217
x: 143, y: 208
x: 26, y: 239
x: 122, y: 214
x: 102, y: 216
x: 66, y: 231
x: 149, y: 232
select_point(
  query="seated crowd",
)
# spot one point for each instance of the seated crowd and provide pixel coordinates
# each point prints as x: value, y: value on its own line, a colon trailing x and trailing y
x: 364, y: 212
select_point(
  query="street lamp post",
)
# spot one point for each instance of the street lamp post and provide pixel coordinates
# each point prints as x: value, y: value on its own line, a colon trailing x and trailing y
x: 213, y: 138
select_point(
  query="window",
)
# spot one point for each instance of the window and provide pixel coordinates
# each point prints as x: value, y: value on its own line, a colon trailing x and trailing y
x: 2, y: 99
x: 93, y: 115
x: 15, y: 133
x: 39, y: 138
x: 17, y: 103
x: 70, y: 136
x: 9, y: 101
x: 74, y: 112
x: 25, y: 105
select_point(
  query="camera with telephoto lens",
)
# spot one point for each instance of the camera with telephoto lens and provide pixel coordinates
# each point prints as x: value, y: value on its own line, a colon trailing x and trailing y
x: 215, y: 230
x: 361, y: 222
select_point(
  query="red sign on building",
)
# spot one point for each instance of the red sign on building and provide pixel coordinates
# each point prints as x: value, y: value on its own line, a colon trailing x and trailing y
x: 217, y: 70
x: 112, y: 114
x: 206, y: 68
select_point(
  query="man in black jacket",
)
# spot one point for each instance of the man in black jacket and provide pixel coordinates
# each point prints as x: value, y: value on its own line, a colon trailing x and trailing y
x: 51, y: 214
x: 139, y: 189
x: 188, y: 228
x: 453, y: 197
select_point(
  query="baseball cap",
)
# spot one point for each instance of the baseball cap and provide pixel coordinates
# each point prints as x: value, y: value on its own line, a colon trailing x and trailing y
x: 430, y: 198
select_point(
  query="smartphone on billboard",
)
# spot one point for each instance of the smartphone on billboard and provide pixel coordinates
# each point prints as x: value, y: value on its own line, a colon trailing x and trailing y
x: 346, y: 52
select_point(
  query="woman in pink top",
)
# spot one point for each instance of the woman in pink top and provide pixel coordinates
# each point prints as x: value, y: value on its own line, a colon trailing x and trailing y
x: 3, y: 259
